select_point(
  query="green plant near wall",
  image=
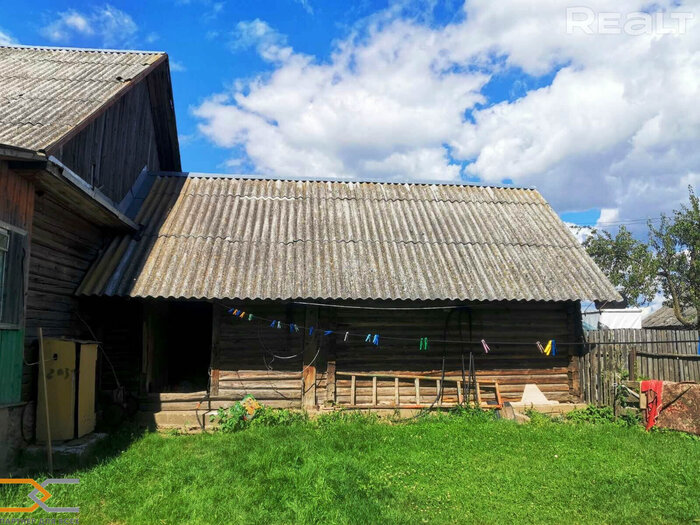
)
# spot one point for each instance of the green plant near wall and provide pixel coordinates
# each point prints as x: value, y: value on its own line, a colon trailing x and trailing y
x: 250, y: 413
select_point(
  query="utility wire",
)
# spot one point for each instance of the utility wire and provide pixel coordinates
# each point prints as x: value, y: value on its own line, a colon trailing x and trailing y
x: 453, y: 342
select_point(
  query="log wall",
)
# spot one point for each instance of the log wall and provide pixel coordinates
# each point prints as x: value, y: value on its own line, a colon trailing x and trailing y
x: 243, y: 364
x: 63, y: 245
x: 244, y: 361
x: 16, y: 199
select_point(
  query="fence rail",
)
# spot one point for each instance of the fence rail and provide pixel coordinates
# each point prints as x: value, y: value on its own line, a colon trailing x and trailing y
x: 614, y: 355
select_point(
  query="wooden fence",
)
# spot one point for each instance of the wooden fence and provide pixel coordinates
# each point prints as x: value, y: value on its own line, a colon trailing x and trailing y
x: 611, y: 356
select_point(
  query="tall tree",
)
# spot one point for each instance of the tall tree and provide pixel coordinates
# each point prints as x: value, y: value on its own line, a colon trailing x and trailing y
x: 676, y: 244
x: 669, y: 263
x: 628, y: 263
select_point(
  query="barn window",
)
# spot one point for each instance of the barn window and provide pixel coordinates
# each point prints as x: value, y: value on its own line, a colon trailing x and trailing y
x: 12, y: 261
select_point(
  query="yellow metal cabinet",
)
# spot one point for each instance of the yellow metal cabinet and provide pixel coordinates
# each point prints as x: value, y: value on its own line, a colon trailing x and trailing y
x: 70, y: 384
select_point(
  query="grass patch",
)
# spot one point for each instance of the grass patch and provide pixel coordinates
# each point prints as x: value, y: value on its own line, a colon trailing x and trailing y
x: 350, y: 469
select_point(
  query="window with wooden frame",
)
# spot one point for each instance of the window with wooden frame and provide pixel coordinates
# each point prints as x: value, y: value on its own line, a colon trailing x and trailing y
x: 12, y: 266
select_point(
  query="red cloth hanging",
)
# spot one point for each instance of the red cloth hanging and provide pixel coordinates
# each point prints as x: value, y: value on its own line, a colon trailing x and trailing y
x: 653, y: 390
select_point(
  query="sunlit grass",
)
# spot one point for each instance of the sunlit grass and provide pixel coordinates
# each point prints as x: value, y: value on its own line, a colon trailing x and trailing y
x: 434, y: 470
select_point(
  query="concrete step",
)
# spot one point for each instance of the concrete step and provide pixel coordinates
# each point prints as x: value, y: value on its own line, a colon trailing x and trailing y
x: 67, y: 455
x: 177, y: 419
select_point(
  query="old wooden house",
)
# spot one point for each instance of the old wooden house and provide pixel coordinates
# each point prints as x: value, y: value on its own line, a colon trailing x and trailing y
x: 356, y: 294
x: 323, y: 267
x: 77, y: 128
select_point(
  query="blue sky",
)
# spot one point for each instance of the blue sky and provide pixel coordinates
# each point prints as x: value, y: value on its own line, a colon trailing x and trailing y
x: 492, y: 91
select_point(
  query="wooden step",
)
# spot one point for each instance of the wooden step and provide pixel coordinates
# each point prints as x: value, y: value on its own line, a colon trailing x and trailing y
x: 182, y: 419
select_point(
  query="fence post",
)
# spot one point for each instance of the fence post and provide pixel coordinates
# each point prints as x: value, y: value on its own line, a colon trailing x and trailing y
x: 632, y: 362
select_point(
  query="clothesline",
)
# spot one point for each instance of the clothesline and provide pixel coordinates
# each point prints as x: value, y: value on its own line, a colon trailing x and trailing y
x: 297, y: 327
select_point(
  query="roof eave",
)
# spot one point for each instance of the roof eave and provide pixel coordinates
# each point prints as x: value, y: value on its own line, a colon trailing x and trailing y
x: 10, y: 152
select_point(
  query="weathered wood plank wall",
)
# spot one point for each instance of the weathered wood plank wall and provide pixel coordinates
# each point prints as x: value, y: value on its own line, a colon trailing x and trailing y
x: 614, y: 355
x: 16, y: 199
x: 111, y: 151
x: 245, y: 361
x: 511, y: 366
x: 243, y: 364
x: 62, y: 249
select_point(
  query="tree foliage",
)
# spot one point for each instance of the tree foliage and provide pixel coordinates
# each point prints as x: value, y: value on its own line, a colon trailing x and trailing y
x: 629, y: 264
x: 676, y: 244
x: 668, y: 263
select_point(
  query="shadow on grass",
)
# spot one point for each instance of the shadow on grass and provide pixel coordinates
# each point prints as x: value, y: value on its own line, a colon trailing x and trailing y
x: 32, y: 461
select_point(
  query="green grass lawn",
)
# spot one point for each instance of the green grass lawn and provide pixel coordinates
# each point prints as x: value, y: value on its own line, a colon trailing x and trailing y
x: 432, y: 470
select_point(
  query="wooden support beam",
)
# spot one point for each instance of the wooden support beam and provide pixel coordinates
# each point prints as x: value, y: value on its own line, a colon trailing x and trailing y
x: 330, y: 381
x: 352, y: 390
x: 217, y: 319
x: 397, y: 395
x: 311, y: 355
x: 417, y: 390
x: 374, y: 391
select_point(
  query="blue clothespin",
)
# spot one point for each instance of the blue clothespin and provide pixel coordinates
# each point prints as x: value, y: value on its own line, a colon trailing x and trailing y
x: 272, y: 324
x: 554, y: 348
x: 230, y: 310
x: 367, y: 339
x: 375, y: 341
x: 291, y: 327
x: 328, y: 332
x: 311, y: 330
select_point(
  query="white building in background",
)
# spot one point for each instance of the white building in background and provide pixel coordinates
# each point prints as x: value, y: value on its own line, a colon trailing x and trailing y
x: 611, y: 318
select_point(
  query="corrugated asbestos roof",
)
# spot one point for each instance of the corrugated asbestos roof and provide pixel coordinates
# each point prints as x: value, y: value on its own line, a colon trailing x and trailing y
x: 665, y: 318
x: 281, y: 239
x: 46, y: 92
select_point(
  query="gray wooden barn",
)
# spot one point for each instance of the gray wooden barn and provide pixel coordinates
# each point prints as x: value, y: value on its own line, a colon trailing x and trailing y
x: 111, y: 241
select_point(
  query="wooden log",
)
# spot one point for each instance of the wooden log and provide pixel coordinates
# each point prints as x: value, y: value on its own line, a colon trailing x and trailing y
x: 374, y: 390
x: 397, y: 393
x: 330, y: 381
x: 217, y: 320
x: 417, y: 380
x: 352, y: 391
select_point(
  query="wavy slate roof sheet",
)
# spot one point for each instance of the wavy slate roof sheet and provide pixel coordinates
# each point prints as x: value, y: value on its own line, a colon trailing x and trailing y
x: 286, y: 239
x: 665, y: 318
x: 46, y: 92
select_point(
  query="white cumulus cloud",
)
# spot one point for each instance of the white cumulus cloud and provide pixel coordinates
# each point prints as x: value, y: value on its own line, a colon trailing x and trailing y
x: 617, y: 127
x: 6, y: 39
x: 108, y: 25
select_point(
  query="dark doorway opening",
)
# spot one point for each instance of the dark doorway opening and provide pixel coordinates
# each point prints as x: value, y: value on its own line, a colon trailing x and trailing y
x: 188, y: 350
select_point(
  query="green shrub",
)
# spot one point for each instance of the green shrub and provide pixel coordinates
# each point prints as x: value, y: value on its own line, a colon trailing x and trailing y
x: 630, y: 418
x: 250, y: 413
x: 592, y: 414
x: 472, y: 413
x: 540, y: 419
x: 275, y: 417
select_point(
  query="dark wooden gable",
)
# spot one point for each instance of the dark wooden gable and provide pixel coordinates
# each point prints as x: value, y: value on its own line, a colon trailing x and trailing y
x: 137, y: 130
